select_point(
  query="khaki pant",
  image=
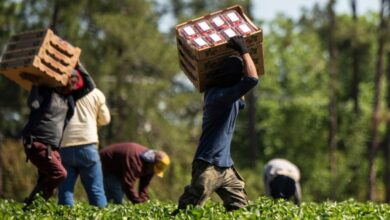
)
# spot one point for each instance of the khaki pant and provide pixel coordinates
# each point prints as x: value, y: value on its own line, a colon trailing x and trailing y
x: 206, y: 179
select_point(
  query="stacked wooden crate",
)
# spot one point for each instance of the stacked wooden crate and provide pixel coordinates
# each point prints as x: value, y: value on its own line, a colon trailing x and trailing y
x: 39, y: 56
x: 202, y: 43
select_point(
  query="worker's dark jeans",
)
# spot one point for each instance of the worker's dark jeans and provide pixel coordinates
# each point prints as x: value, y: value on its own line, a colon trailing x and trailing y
x: 113, y: 188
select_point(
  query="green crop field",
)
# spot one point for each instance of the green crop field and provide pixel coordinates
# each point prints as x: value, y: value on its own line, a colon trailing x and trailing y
x: 263, y: 208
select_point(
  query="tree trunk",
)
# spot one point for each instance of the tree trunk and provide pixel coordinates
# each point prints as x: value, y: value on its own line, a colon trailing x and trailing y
x: 252, y: 131
x: 119, y: 99
x: 376, y: 107
x: 332, y: 106
x: 355, y: 62
x: 251, y: 103
x: 110, y: 127
x: 1, y: 166
x: 387, y: 150
x: 55, y: 15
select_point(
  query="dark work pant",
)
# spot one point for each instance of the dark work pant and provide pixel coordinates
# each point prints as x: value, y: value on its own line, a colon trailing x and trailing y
x: 51, y: 172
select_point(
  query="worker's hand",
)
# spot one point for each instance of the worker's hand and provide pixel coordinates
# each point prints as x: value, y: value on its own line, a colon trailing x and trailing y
x: 238, y: 43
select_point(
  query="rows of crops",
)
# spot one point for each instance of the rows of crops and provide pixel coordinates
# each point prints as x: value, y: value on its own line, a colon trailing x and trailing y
x: 262, y: 208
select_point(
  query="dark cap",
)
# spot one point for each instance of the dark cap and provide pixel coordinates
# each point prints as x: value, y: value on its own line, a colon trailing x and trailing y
x: 230, y: 72
x: 232, y: 65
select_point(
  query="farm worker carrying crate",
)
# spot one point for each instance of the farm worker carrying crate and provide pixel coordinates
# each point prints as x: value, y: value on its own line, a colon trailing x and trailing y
x: 44, y: 64
x: 51, y: 109
x: 221, y: 53
x: 212, y: 167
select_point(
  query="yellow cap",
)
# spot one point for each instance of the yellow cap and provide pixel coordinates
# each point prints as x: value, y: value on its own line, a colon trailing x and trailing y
x: 162, y: 162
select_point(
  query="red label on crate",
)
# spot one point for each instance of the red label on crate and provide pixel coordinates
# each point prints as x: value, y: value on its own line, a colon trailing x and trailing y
x: 229, y: 33
x: 244, y: 29
x: 199, y: 42
x: 188, y: 32
x: 233, y: 17
x: 218, y: 23
x: 215, y: 38
x: 203, y: 27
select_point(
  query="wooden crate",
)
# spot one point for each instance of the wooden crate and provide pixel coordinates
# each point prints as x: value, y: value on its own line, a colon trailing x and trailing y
x: 39, y: 55
x: 35, y: 68
x: 214, y: 63
x: 198, y: 71
x: 198, y: 63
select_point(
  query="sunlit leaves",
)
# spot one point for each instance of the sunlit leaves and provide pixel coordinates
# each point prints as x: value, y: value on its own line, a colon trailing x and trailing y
x: 262, y: 208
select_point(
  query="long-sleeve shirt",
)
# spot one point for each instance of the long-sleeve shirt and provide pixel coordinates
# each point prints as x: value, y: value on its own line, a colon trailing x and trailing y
x: 283, y: 167
x: 219, y: 117
x: 124, y: 161
x: 91, y: 111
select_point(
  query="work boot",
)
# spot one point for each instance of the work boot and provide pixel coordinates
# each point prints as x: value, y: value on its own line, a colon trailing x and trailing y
x: 175, y: 212
x: 27, y: 202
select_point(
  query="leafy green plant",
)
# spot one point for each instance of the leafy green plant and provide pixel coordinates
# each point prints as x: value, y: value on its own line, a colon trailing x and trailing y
x: 262, y: 208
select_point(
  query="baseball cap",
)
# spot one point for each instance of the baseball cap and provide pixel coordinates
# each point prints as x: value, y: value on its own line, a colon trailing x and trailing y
x: 162, y: 162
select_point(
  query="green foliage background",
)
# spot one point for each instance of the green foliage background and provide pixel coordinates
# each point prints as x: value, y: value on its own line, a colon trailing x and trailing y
x: 151, y: 102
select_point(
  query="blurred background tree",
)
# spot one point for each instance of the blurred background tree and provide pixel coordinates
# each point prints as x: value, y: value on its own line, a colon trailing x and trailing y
x: 319, y: 69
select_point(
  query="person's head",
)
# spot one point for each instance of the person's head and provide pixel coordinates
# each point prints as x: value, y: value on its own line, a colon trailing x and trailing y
x: 162, y: 161
x: 282, y: 187
x: 75, y: 82
x: 231, y: 72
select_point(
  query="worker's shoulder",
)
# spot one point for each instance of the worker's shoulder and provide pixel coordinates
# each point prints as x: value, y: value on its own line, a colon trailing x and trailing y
x: 97, y: 91
x: 97, y: 94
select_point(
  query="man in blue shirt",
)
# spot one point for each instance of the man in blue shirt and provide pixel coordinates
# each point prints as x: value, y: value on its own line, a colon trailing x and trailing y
x: 212, y: 168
